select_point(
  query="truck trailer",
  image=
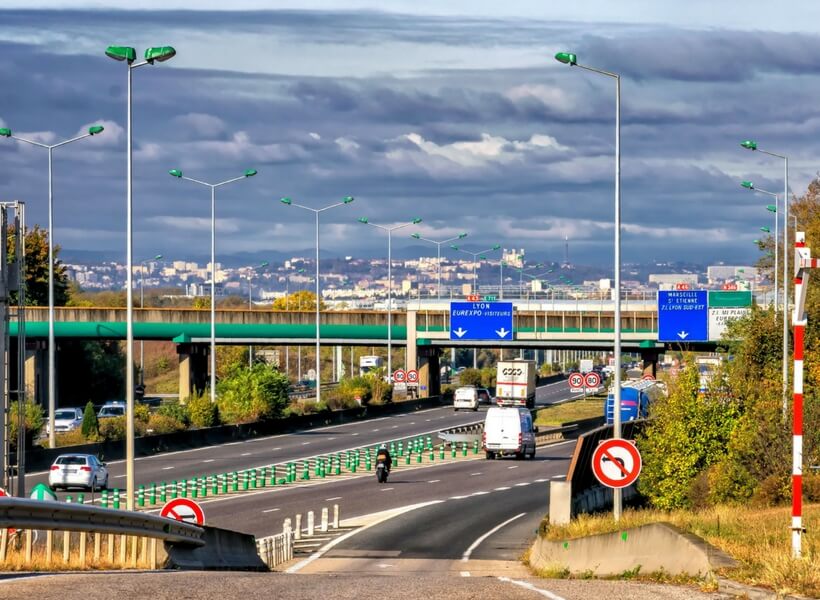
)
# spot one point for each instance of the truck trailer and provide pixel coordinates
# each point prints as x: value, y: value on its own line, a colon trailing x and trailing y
x: 515, y: 383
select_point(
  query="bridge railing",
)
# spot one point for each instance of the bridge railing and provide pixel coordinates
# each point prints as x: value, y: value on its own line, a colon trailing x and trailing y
x: 117, y: 538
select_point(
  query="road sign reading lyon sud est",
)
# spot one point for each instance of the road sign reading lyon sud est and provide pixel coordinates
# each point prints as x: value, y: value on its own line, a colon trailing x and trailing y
x: 183, y: 509
x: 683, y: 316
x: 616, y: 463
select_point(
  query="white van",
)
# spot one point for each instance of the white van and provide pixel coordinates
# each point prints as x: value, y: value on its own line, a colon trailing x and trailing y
x: 466, y: 397
x: 509, y: 430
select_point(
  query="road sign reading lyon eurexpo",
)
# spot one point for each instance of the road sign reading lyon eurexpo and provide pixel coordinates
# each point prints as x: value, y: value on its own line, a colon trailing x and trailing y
x: 183, y: 509
x: 616, y: 463
x: 481, y: 320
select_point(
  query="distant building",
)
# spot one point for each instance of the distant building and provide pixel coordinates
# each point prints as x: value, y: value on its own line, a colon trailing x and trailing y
x: 666, y: 279
x: 720, y: 273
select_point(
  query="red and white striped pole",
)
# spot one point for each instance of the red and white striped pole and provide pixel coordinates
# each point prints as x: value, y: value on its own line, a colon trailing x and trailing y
x: 802, y: 263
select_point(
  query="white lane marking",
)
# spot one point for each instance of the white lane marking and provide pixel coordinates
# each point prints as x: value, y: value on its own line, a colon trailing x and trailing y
x: 532, y: 588
x: 376, y: 430
x: 474, y: 474
x: 465, y: 573
x: 466, y: 556
x: 427, y: 420
x: 502, y: 488
x: 119, y: 476
x: 522, y: 484
x: 355, y: 433
x: 458, y: 497
x: 275, y: 449
x: 233, y: 443
x: 319, y: 553
x: 513, y: 467
x: 167, y: 468
x: 209, y: 460
x: 558, y: 476
x: 270, y: 510
x: 331, y: 439
x: 245, y: 454
x: 387, y: 489
x: 479, y: 493
x: 334, y: 498
x: 305, y: 443
x: 413, y: 423
x: 434, y: 481
x: 542, y: 480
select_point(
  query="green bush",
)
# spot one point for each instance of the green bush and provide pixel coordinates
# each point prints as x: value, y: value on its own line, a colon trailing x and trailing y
x: 33, y: 421
x: 488, y: 377
x: 90, y: 428
x: 470, y: 377
x: 248, y: 395
x: 201, y: 410
x: 141, y: 413
x: 380, y: 390
x: 175, y: 410
x: 159, y: 424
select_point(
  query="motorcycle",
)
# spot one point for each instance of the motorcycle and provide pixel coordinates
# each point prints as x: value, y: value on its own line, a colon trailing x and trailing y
x: 382, y: 472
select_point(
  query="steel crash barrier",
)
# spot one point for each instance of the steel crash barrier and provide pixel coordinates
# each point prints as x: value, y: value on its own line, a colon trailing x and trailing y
x: 117, y: 538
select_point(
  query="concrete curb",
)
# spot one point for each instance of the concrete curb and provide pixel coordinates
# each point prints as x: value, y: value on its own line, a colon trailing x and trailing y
x: 651, y: 548
x: 223, y: 550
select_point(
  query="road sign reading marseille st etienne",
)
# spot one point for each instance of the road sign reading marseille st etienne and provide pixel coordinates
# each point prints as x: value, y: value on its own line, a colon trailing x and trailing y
x: 481, y: 320
x: 683, y: 316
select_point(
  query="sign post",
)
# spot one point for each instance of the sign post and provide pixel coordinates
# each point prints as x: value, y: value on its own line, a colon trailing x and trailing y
x: 616, y: 463
x: 481, y: 321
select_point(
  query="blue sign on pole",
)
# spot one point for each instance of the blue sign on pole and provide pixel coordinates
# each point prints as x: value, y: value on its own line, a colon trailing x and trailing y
x: 683, y: 316
x: 481, y: 320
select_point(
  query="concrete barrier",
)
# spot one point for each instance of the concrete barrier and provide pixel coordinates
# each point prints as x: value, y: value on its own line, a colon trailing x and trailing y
x: 223, y: 550
x: 649, y: 548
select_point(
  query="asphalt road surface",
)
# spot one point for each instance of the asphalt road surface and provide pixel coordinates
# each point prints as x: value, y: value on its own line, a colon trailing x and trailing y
x: 269, y: 450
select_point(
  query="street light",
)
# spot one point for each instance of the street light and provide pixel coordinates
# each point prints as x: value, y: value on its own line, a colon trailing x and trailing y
x: 142, y: 305
x: 752, y: 145
x: 390, y: 231
x: 773, y: 209
x: 521, y: 273
x: 250, y: 303
x: 178, y: 174
x: 287, y: 307
x: 129, y: 56
x: 417, y: 236
x: 572, y: 60
x: 475, y: 256
x: 317, y: 211
x: 52, y: 394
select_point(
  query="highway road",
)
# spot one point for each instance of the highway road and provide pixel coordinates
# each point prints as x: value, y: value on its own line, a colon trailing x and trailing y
x: 264, y: 451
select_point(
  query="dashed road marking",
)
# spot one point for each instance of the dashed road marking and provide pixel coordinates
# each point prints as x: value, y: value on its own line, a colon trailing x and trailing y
x: 502, y: 488
x: 522, y: 484
x: 558, y: 476
x: 513, y: 467
x: 387, y: 489
x: 167, y: 468
x: 474, y: 474
x: 465, y: 573
x: 479, y: 493
x: 245, y: 454
x: 458, y: 497
x: 434, y: 481
x: 334, y: 498
x: 270, y: 510
x: 541, y: 480
x: 209, y: 460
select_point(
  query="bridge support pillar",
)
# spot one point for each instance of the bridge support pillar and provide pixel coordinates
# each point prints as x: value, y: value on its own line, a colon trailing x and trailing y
x: 193, y: 369
x: 429, y: 370
x: 36, y: 372
x: 650, y: 362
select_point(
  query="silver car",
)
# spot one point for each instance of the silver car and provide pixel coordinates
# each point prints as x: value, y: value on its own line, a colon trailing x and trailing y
x: 78, y: 470
x: 66, y: 419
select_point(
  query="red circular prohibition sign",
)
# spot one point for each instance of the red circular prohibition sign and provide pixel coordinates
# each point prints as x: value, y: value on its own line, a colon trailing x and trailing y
x: 183, y: 509
x: 616, y: 463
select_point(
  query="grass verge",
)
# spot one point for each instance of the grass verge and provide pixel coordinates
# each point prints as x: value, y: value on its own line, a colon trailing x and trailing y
x: 758, y: 538
x: 576, y: 410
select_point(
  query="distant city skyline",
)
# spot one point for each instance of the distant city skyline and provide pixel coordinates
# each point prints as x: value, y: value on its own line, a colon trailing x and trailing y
x: 458, y: 115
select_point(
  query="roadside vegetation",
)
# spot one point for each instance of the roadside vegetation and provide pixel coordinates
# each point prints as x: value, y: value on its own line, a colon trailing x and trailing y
x: 557, y: 415
x: 758, y: 538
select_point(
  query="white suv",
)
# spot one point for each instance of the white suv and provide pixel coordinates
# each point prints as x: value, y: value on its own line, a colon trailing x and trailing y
x: 66, y: 419
x: 466, y: 397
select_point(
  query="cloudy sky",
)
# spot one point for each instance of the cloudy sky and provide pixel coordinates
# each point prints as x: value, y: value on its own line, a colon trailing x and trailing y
x: 454, y: 112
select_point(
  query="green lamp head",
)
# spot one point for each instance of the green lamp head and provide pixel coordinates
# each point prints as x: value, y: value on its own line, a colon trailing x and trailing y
x: 416, y: 221
x: 497, y: 247
x: 771, y: 208
x: 175, y: 173
x: 463, y: 235
x: 765, y: 230
x: 158, y: 257
x: 250, y: 172
x: 749, y: 144
x: 454, y: 247
x: 5, y: 132
x: 348, y: 199
x: 748, y: 185
x: 159, y: 54
x: 286, y: 200
x: 95, y: 129
x: 363, y: 220
x: 121, y: 53
x: 567, y: 58
x: 415, y: 235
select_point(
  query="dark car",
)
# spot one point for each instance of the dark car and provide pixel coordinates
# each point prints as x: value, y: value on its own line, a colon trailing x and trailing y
x: 484, y: 396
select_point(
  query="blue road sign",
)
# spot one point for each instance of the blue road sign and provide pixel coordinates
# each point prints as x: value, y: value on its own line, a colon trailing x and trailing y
x: 481, y: 321
x: 683, y: 316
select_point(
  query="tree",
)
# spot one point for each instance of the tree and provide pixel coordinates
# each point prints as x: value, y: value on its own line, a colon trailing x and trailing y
x: 301, y: 300
x: 248, y: 395
x: 33, y: 421
x: 36, y: 268
x: 91, y: 426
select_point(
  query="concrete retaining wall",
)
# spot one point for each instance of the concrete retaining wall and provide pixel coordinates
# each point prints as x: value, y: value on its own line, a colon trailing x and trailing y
x: 651, y: 548
x: 223, y: 550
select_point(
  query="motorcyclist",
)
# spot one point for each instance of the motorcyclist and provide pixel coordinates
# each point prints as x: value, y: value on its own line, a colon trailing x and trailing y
x: 383, y: 455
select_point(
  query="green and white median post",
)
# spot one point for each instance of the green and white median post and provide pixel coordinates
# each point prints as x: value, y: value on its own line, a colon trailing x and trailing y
x: 42, y: 492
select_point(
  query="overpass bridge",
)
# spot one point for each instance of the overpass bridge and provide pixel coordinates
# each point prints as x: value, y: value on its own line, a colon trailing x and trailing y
x: 422, y: 327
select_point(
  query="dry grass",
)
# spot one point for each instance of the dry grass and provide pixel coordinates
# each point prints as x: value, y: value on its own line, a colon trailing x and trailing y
x: 759, y: 539
x: 570, y: 411
x: 16, y: 555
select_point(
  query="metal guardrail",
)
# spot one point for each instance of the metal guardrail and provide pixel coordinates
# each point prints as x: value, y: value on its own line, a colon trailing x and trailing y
x: 463, y: 433
x: 23, y: 513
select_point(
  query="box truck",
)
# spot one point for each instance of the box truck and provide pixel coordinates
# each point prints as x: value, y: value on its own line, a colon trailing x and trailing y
x: 515, y: 383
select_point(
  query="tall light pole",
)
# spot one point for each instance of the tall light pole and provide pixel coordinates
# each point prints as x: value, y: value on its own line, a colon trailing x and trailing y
x: 250, y: 303
x: 752, y: 145
x: 178, y: 174
x: 418, y: 236
x: 568, y: 58
x: 773, y: 209
x: 390, y: 231
x: 142, y: 305
x: 287, y: 307
x: 475, y: 256
x: 317, y: 212
x: 129, y: 56
x: 52, y: 395
x: 522, y: 271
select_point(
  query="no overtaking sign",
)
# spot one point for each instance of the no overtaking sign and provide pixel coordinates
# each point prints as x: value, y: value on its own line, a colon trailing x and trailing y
x: 183, y: 509
x: 616, y: 463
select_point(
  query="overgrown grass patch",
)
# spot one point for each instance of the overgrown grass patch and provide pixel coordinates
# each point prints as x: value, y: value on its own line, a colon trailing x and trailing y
x: 758, y: 538
x: 554, y: 416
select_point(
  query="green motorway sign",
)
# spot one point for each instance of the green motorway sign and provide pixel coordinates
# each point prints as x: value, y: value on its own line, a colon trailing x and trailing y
x: 489, y: 298
x: 719, y: 299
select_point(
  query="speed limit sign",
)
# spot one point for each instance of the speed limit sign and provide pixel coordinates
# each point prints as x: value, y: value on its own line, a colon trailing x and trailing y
x: 576, y: 382
x: 399, y: 376
x: 592, y: 380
